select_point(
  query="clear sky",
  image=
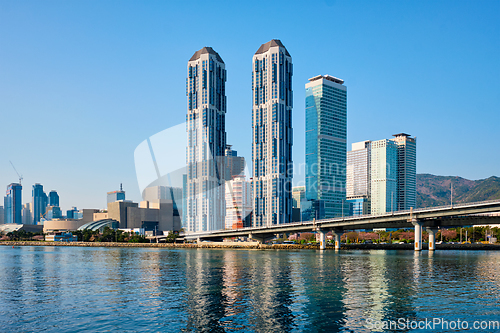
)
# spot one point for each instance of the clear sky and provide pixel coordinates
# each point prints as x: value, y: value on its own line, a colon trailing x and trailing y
x: 82, y: 83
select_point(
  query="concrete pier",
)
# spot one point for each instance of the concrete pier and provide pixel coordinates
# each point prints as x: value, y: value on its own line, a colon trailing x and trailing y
x: 322, y: 239
x: 418, y: 235
x: 432, y: 238
x: 336, y: 235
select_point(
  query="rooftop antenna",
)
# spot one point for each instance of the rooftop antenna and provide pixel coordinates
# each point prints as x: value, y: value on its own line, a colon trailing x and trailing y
x: 121, y: 187
x: 20, y: 176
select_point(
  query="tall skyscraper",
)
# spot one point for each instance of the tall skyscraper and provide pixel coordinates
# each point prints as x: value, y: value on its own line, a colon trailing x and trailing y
x: 358, y: 178
x: 39, y: 202
x: 407, y: 171
x: 53, y: 198
x: 326, y: 145
x: 13, y: 204
x: 272, y: 134
x: 2, y: 215
x: 206, y: 132
x: 384, y: 176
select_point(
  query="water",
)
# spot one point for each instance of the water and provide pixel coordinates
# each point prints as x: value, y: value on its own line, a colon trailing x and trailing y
x: 75, y: 289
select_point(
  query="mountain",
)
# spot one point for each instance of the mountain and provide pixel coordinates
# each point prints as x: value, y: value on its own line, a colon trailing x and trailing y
x: 435, y: 190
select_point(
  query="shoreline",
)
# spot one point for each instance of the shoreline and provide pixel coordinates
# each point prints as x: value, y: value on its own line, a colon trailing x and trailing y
x: 249, y: 245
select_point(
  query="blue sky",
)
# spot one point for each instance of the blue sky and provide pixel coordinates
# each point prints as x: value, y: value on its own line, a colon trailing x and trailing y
x: 82, y: 83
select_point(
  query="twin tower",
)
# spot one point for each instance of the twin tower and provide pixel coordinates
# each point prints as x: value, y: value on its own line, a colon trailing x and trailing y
x: 272, y: 102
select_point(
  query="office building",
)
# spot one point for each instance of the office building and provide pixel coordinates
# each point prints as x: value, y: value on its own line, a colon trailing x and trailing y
x: 298, y: 195
x: 272, y: 142
x: 26, y: 215
x: 73, y: 213
x: 13, y: 204
x: 407, y: 171
x: 39, y: 203
x: 53, y: 198
x: 116, y: 195
x: 235, y: 165
x: 238, y: 202
x: 53, y: 212
x: 358, y: 178
x: 383, y: 175
x: 2, y: 215
x: 206, y: 132
x: 326, y: 146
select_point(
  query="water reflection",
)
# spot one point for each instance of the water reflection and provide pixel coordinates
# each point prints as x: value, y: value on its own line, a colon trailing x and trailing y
x: 199, y: 290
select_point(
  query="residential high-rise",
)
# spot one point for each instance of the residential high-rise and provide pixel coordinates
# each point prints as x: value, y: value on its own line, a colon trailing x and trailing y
x: 272, y: 101
x: 39, y: 203
x: 238, y: 202
x: 407, y: 171
x: 358, y: 178
x: 235, y: 165
x: 206, y: 133
x: 326, y: 146
x: 384, y: 176
x: 13, y: 204
x: 53, y: 198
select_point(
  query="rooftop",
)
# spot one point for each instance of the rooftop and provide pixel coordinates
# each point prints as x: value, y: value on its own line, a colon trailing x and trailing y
x: 206, y: 50
x: 401, y: 134
x: 273, y: 42
x: 327, y: 77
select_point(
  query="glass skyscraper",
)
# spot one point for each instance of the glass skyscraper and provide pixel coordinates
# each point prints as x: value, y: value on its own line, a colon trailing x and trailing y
x: 206, y: 133
x: 13, y: 204
x: 326, y: 146
x: 53, y: 198
x: 39, y: 202
x: 272, y: 100
x: 358, y: 178
x: 407, y: 171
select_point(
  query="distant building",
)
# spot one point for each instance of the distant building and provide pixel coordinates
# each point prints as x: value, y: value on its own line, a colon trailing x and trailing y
x: 13, y: 204
x: 272, y: 100
x: 298, y: 195
x: 407, y: 171
x: 157, y: 215
x: 326, y: 145
x: 358, y: 178
x: 235, y: 165
x: 383, y: 176
x: 2, y: 215
x: 72, y: 213
x: 39, y: 203
x: 61, y: 237
x: 27, y: 217
x: 116, y: 195
x: 238, y: 202
x: 53, y: 198
x: 173, y: 194
x: 53, y: 212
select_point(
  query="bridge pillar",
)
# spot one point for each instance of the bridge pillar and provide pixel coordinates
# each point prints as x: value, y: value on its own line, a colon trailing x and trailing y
x: 432, y: 238
x: 418, y: 235
x: 322, y: 239
x: 337, y: 234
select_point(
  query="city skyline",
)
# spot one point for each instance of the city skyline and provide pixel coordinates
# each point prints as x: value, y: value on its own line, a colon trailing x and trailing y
x: 87, y: 96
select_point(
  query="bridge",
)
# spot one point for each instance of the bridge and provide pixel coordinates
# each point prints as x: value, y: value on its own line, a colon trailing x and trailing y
x: 429, y: 218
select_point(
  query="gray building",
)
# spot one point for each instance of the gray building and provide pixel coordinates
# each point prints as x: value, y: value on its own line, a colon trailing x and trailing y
x: 272, y: 101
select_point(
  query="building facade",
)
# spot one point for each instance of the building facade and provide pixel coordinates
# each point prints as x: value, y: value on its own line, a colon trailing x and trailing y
x: 206, y: 133
x: 358, y: 178
x: 384, y: 173
x: 27, y: 217
x: 407, y: 171
x: 39, y: 203
x: 13, y: 204
x: 326, y: 146
x: 238, y: 202
x: 272, y: 100
x: 53, y: 198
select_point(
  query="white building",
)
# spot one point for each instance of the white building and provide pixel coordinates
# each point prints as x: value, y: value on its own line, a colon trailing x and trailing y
x: 272, y: 101
x: 205, y: 89
x: 238, y: 202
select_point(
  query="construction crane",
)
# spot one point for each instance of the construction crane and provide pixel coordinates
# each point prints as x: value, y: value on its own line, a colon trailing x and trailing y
x: 20, y: 176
